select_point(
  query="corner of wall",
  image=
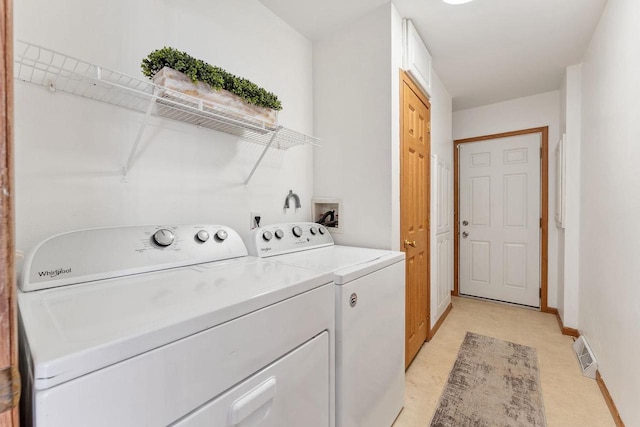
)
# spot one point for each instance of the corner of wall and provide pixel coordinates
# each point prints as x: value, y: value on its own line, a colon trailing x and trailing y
x: 396, y: 65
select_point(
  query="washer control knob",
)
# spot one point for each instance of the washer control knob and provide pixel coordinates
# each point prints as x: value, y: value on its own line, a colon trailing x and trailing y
x: 297, y: 231
x: 279, y: 234
x: 322, y: 230
x: 164, y: 237
x: 267, y: 236
x: 202, y: 236
x: 222, y: 235
x: 313, y: 230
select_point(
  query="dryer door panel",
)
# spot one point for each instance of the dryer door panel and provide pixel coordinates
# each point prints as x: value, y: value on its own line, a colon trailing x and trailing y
x: 294, y: 391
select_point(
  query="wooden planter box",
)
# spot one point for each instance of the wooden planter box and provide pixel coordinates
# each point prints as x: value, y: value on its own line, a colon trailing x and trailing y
x: 221, y: 102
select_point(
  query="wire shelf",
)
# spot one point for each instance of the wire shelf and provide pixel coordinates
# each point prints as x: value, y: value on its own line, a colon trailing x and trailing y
x: 60, y: 72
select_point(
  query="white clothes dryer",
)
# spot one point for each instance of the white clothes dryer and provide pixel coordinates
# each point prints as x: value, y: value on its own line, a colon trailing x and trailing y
x: 370, y: 316
x: 158, y: 326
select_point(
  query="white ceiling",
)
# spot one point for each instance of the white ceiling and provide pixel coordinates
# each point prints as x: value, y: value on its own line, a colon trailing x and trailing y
x: 485, y: 51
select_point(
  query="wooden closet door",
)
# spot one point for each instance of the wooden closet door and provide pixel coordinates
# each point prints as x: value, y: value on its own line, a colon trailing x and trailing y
x: 414, y: 211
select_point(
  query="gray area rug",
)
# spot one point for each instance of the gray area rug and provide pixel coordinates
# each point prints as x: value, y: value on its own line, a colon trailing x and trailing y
x: 493, y: 383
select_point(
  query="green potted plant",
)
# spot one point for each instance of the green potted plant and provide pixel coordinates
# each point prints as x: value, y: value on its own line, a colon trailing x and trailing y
x: 218, y: 89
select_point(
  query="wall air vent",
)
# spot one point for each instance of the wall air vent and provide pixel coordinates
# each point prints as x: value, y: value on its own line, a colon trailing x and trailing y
x: 586, y: 358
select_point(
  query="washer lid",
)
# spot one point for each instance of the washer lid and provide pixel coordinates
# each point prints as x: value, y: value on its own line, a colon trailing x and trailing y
x: 74, y: 330
x: 346, y: 262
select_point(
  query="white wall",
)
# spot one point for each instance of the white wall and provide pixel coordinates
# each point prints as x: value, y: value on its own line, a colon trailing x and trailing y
x: 609, y: 312
x: 69, y: 150
x: 561, y: 237
x: 523, y: 113
x: 397, y: 51
x: 569, y: 243
x: 354, y: 116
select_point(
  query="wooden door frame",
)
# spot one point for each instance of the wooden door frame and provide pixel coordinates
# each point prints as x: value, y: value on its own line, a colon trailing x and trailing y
x: 9, y: 377
x: 405, y: 78
x: 544, y: 208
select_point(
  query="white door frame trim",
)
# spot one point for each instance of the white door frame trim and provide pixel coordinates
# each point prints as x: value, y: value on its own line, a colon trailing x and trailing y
x: 544, y: 204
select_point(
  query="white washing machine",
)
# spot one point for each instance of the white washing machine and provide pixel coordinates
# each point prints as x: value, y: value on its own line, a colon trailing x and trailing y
x: 370, y: 316
x: 156, y: 326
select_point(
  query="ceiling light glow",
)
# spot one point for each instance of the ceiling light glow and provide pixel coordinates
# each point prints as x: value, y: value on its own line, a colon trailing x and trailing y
x: 456, y: 1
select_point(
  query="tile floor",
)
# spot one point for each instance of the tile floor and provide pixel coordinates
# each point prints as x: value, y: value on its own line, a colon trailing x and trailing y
x: 569, y: 398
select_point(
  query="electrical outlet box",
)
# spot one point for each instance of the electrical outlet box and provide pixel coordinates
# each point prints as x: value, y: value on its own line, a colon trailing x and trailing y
x: 255, y: 219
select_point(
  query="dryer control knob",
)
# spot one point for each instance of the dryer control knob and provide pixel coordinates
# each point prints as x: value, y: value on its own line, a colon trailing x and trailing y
x: 164, y: 237
x: 267, y: 236
x: 202, y: 236
x: 313, y: 230
x: 279, y: 234
x: 322, y: 230
x: 221, y: 235
x: 297, y: 231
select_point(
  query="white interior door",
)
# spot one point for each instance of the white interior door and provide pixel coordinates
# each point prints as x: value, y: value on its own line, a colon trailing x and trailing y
x: 500, y: 219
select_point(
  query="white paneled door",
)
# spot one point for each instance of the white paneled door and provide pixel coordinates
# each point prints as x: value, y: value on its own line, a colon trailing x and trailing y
x: 500, y: 219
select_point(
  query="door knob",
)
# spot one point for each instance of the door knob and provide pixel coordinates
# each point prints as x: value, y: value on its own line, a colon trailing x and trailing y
x: 465, y: 222
x: 465, y: 234
x: 408, y: 243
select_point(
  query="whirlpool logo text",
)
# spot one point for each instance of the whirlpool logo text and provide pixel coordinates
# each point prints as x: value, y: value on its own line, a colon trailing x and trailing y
x: 54, y: 273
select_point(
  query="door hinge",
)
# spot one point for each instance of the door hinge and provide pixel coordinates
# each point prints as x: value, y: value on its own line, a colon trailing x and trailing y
x: 428, y: 126
x: 540, y: 152
x: 540, y: 292
x: 540, y: 222
x: 9, y: 388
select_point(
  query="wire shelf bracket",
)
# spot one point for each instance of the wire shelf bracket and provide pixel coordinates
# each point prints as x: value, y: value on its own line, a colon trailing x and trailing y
x: 62, y: 73
x: 273, y: 137
x: 134, y: 148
